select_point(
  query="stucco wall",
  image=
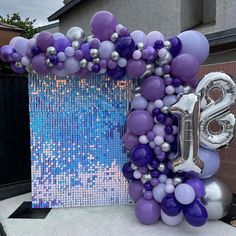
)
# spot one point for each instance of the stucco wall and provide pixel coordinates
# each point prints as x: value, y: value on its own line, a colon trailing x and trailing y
x: 146, y: 15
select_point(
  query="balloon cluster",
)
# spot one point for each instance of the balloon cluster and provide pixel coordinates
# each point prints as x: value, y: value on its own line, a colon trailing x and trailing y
x: 167, y: 70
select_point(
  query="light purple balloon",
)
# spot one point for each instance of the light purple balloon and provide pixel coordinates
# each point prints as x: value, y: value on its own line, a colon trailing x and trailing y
x: 195, y: 43
x: 130, y: 140
x: 135, y: 68
x: 61, y: 56
x: 159, y: 129
x: 105, y: 49
x: 13, y: 40
x: 139, y: 122
x: 139, y: 102
x: 71, y: 65
x: 103, y: 25
x: 184, y: 67
x: 39, y: 64
x: 59, y: 73
x: 184, y: 193
x: 58, y: 35
x: 153, y: 88
x: 211, y: 161
x: 6, y: 52
x: 172, y: 220
x: 139, y: 37
x: 69, y: 51
x: 153, y: 36
x: 44, y: 40
x: 135, y: 190
x: 147, y: 211
x: 31, y: 43
x: 168, y: 100
x: 159, y: 192
x: 21, y: 46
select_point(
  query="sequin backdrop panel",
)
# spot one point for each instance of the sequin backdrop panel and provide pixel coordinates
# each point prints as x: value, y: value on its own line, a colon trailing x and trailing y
x: 76, y: 147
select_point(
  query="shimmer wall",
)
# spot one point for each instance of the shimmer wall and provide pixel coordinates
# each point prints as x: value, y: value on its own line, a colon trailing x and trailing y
x: 76, y: 147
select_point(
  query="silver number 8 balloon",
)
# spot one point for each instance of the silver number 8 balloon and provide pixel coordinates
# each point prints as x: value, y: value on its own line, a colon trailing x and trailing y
x: 197, y: 111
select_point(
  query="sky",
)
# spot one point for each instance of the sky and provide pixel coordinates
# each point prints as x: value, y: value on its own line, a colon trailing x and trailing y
x: 34, y: 9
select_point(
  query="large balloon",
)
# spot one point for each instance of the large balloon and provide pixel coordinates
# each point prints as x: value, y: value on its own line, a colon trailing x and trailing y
x: 103, y: 25
x: 195, y: 43
x: 211, y: 161
x: 172, y: 220
x: 153, y: 36
x: 184, y: 67
x: 139, y: 37
x: 21, y: 46
x: 39, y: 64
x: 60, y: 44
x: 44, y: 40
x: 75, y: 34
x: 105, y: 49
x: 218, y: 198
x: 135, y: 68
x: 147, y: 211
x: 135, y: 190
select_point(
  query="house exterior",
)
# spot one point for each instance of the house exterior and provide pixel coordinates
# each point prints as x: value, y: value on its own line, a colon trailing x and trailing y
x: 52, y: 28
x: 215, y: 18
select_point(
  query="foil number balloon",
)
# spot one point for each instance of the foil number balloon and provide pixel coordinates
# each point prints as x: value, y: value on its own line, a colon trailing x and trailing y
x: 188, y: 109
x: 218, y: 111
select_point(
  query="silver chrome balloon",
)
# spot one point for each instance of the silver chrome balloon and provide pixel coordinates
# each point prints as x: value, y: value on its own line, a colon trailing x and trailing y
x: 83, y: 63
x: 75, y: 44
x: 115, y: 56
x: 218, y: 198
x: 51, y: 51
x: 218, y: 111
x: 93, y: 52
x: 188, y: 109
x: 75, y: 33
x: 140, y: 46
x: 114, y: 37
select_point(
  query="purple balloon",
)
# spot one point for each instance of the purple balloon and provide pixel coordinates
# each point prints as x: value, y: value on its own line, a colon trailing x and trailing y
x: 142, y: 155
x: 21, y: 46
x: 128, y: 171
x: 135, y: 68
x: 6, y: 52
x: 105, y: 49
x: 176, y: 45
x: 116, y: 73
x: 18, y: 70
x: 153, y: 88
x: 195, y: 214
x: 60, y: 44
x: 130, y: 140
x: 85, y: 48
x: 195, y: 43
x: 103, y: 25
x: 16, y: 57
x: 39, y: 64
x: 44, y: 40
x: 139, y: 122
x: 211, y: 161
x: 147, y: 211
x: 184, y: 67
x: 135, y: 190
x: 172, y: 220
x: 125, y: 46
x: 153, y: 36
x: 197, y: 185
x: 170, y: 205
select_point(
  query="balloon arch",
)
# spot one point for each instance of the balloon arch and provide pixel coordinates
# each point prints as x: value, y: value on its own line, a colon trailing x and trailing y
x: 169, y: 176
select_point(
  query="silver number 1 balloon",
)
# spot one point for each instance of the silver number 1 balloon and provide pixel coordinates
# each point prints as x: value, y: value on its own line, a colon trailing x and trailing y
x: 218, y: 111
x: 188, y: 109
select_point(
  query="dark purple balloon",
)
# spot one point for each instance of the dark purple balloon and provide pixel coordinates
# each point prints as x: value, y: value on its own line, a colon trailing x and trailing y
x: 153, y: 88
x: 85, y: 48
x: 197, y: 185
x: 184, y: 67
x: 148, y: 186
x: 95, y: 68
x: 117, y: 73
x: 170, y: 205
x: 169, y: 129
x: 158, y: 44
x: 176, y: 45
x: 60, y: 44
x: 103, y: 25
x: 135, y: 190
x: 125, y: 46
x: 147, y: 211
x: 195, y: 214
x: 139, y: 122
x: 128, y: 171
x: 155, y: 174
x: 142, y: 155
x: 16, y: 57
x: 35, y: 50
x: 44, y: 40
x: 53, y: 59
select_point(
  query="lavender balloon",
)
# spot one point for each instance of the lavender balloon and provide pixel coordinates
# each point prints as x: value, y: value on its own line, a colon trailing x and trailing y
x: 105, y: 49
x: 135, y: 190
x: 103, y: 25
x: 195, y: 43
x: 184, y: 193
x: 139, y: 122
x: 147, y: 211
x: 6, y: 52
x: 153, y: 36
x: 139, y: 37
x: 211, y: 161
x: 172, y: 220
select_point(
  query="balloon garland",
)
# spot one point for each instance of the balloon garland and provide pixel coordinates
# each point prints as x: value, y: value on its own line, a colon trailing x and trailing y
x: 168, y: 174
